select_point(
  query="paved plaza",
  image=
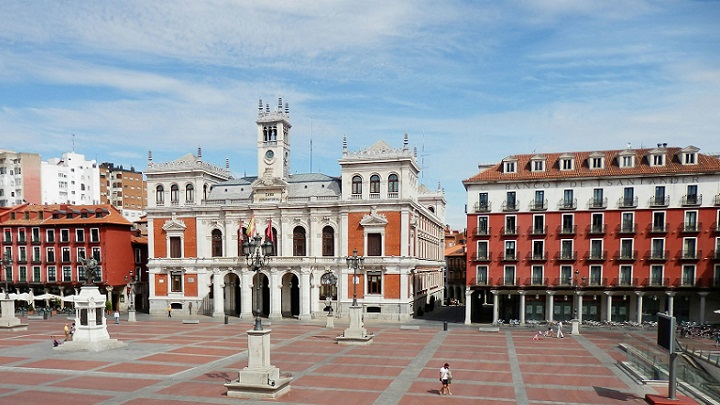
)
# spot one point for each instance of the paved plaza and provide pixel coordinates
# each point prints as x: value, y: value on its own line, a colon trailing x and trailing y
x: 168, y: 362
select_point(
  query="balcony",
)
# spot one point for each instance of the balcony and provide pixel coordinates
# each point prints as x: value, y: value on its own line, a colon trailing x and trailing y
x: 566, y: 256
x: 659, y: 255
x: 537, y: 281
x: 480, y: 281
x: 537, y: 256
x: 690, y: 282
x: 691, y: 227
x: 483, y: 206
x: 656, y: 202
x: 538, y: 205
x: 658, y: 228
x: 509, y: 231
x: 597, y: 203
x: 7, y: 241
x: 482, y: 257
x: 625, y: 282
x: 626, y: 255
x: 36, y: 260
x: 22, y: 260
x: 715, y: 254
x: 35, y: 241
x: 509, y: 257
x: 567, y: 230
x: 482, y: 231
x: 627, y: 202
x: 508, y: 281
x: 715, y: 228
x: 537, y: 231
x: 597, y: 256
x: 510, y: 206
x: 567, y: 204
x: 630, y: 228
x: 691, y: 200
x: 22, y: 240
x: 690, y: 255
x: 597, y: 281
x: 596, y: 229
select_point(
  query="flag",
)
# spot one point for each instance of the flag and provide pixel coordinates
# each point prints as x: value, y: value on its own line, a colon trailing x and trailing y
x: 269, y: 232
x: 250, y: 230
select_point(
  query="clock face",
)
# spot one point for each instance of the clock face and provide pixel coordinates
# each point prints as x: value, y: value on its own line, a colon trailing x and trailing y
x: 269, y: 154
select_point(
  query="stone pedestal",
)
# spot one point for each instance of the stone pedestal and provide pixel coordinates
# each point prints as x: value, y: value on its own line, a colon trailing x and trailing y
x: 330, y: 322
x: 355, y: 334
x: 131, y: 315
x: 9, y: 322
x: 575, y: 327
x: 259, y: 379
x: 90, y: 325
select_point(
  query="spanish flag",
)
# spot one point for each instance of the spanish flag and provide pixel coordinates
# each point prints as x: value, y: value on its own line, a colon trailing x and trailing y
x: 250, y: 230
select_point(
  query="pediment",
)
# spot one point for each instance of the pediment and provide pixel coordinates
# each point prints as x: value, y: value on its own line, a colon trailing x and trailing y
x: 174, y: 224
x: 373, y: 219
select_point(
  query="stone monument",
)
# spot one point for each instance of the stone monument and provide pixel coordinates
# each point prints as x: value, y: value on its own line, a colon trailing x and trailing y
x: 90, y: 326
x: 9, y: 322
x: 355, y: 334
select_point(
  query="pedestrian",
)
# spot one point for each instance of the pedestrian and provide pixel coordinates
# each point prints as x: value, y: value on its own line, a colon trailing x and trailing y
x: 559, y: 330
x: 538, y: 335
x: 66, y: 329
x: 445, y: 379
x: 169, y: 311
x: 549, y: 332
x: 72, y: 331
x: 717, y: 339
x: 55, y: 341
x: 117, y: 317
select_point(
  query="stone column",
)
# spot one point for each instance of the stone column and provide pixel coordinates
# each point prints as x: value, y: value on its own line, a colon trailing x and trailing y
x: 579, y: 306
x: 522, y: 307
x: 550, y: 305
x: 218, y: 302
x: 703, y: 295
x: 247, y: 291
x: 275, y: 289
x: 468, y: 306
x: 304, y: 295
x: 608, y: 306
x: 496, y: 305
x: 640, y: 295
x: 671, y: 301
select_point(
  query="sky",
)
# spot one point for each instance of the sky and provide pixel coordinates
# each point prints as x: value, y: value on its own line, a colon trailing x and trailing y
x: 469, y: 81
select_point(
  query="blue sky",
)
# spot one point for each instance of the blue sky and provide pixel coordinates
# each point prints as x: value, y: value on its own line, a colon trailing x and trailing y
x: 470, y: 81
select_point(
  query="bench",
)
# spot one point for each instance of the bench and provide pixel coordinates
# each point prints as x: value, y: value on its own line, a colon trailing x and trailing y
x: 191, y: 321
x: 409, y: 327
x: 35, y: 317
x: 493, y: 329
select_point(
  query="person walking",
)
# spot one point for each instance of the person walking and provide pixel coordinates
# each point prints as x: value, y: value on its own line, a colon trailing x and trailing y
x: 560, y: 334
x: 117, y: 317
x: 169, y: 311
x: 445, y: 378
x: 67, y: 332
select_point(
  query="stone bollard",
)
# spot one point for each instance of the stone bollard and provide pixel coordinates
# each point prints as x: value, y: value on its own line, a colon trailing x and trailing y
x: 575, y: 327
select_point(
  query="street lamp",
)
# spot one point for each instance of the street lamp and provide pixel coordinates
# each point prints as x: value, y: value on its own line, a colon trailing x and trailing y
x: 355, y: 262
x: 131, y: 290
x: 6, y: 264
x: 257, y: 254
x: 577, y: 274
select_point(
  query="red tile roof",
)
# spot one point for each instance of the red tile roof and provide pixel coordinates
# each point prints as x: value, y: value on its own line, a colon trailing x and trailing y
x: 705, y: 164
x: 109, y: 215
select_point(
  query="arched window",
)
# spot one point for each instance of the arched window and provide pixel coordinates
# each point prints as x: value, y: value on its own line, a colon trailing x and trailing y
x: 357, y: 185
x: 328, y: 241
x: 328, y: 287
x: 160, y: 195
x: 299, y: 241
x: 374, y: 184
x: 217, y: 242
x: 241, y: 238
x: 189, y: 193
x: 393, y: 186
x: 174, y: 194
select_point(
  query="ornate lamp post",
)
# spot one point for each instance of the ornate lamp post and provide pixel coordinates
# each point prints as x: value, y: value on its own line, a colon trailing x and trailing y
x: 577, y: 286
x: 257, y: 255
x: 6, y: 264
x: 355, y: 262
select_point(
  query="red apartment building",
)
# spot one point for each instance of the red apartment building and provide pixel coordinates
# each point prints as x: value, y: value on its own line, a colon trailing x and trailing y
x: 46, y: 243
x: 616, y: 235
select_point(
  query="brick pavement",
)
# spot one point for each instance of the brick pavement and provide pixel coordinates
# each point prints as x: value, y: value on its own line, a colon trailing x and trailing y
x: 167, y: 362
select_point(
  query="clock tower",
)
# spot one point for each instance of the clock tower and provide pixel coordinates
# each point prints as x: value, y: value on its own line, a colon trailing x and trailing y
x: 273, y: 140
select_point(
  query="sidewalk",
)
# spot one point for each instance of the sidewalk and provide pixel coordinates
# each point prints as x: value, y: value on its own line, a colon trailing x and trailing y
x: 167, y: 362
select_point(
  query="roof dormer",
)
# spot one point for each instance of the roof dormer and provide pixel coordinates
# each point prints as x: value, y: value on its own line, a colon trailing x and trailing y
x: 509, y: 164
x: 657, y: 157
x: 688, y: 155
x: 566, y: 162
x: 596, y: 161
x: 538, y: 163
x: 626, y: 159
